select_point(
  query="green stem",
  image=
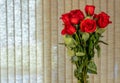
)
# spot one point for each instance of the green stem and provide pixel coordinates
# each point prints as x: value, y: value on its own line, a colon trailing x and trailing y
x: 77, y: 37
x: 77, y: 65
x: 85, y: 75
x: 85, y: 70
x: 79, y: 81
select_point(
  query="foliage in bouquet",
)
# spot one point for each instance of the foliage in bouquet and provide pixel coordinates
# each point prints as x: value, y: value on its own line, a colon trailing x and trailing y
x: 81, y: 34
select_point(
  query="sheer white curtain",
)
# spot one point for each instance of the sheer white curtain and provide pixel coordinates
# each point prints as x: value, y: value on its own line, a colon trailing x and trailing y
x: 29, y: 42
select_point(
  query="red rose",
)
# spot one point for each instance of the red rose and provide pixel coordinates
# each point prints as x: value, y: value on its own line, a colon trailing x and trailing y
x: 66, y: 18
x: 76, y: 16
x: 89, y: 9
x: 103, y: 20
x: 88, y: 25
x: 69, y: 29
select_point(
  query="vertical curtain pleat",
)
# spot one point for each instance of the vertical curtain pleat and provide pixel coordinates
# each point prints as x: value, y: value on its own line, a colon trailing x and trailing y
x: 116, y: 41
x: 47, y: 41
x: 40, y: 40
x: 17, y: 43
x: 68, y: 65
x: 32, y: 42
x: 61, y: 48
x: 3, y: 43
x: 110, y: 47
x: 30, y: 37
x: 54, y: 41
x: 25, y: 40
x: 11, y: 41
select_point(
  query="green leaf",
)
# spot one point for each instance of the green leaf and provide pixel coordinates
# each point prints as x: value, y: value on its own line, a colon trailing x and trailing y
x: 97, y: 36
x: 92, y: 67
x: 98, y: 50
x: 77, y: 74
x: 79, y: 81
x: 100, y: 30
x: 74, y: 59
x: 69, y: 41
x: 103, y: 42
x: 70, y: 52
x: 85, y: 36
x: 80, y: 68
x: 91, y: 45
x: 93, y: 38
x: 80, y: 54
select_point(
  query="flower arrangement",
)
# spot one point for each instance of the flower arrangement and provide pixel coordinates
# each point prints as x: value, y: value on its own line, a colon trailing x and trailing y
x: 81, y: 34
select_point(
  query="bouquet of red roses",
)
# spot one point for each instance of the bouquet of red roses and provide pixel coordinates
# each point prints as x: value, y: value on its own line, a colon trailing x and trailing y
x: 81, y: 34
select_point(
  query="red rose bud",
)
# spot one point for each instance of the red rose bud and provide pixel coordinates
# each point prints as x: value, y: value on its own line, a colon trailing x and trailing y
x: 66, y: 18
x: 76, y: 16
x: 88, y: 25
x: 89, y: 9
x: 103, y: 20
x: 69, y: 29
